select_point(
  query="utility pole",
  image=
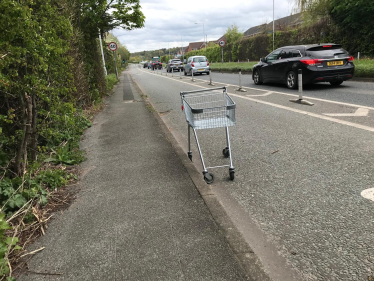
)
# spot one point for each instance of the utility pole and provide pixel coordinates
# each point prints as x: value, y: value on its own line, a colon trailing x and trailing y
x: 273, y: 25
x: 102, y: 53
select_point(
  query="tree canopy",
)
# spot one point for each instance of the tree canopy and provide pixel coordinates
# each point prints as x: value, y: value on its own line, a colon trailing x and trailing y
x: 232, y: 34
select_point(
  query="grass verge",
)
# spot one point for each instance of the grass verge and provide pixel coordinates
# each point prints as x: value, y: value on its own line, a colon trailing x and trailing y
x: 363, y: 68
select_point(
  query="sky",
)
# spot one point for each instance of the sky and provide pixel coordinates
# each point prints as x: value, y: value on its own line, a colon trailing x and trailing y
x: 168, y: 23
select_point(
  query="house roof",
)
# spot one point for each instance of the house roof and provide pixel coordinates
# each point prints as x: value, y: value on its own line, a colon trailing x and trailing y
x: 279, y: 24
x: 196, y: 45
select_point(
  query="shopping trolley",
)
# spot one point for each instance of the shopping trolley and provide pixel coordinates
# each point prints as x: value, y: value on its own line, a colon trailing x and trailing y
x: 207, y: 109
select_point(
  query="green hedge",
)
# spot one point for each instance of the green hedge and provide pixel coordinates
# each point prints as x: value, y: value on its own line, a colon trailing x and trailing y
x: 254, y: 48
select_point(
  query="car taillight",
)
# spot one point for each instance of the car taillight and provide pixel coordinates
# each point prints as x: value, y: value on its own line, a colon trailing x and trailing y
x: 327, y: 46
x: 311, y: 62
x: 192, y: 64
x: 350, y: 58
x: 207, y: 62
x: 153, y: 63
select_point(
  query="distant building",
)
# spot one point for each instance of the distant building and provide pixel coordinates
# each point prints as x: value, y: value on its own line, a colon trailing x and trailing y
x: 195, y: 46
x: 289, y: 22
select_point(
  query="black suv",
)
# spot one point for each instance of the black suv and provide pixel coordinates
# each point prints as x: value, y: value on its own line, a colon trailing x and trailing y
x: 319, y: 63
x: 156, y: 63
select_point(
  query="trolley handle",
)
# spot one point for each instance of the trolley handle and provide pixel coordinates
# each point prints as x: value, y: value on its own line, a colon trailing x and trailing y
x: 205, y: 90
x: 201, y: 110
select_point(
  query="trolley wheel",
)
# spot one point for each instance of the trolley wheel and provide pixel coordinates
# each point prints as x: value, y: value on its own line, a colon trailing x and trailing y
x: 190, y: 155
x: 209, y: 178
x: 232, y: 175
x: 226, y: 152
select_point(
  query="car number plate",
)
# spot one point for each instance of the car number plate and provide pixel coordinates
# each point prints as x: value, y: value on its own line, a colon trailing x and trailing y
x: 201, y: 69
x: 332, y: 63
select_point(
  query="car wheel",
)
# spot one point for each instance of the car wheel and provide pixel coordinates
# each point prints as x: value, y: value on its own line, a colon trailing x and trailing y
x: 256, y: 77
x: 336, y: 83
x: 291, y: 80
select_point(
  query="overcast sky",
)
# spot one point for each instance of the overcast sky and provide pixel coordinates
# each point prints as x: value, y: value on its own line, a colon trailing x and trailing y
x: 170, y: 22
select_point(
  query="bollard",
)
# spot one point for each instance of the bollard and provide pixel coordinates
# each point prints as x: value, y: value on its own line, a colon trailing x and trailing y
x: 193, y: 80
x: 358, y: 56
x: 180, y: 74
x: 300, y: 83
x: 172, y: 72
x: 210, y: 78
x: 240, y: 89
x: 248, y: 60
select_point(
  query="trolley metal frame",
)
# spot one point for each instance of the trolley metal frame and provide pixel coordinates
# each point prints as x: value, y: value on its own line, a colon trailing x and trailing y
x: 206, y: 109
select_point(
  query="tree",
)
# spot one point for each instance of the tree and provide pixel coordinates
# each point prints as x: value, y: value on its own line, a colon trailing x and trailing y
x: 355, y: 15
x: 232, y: 34
x: 106, y: 15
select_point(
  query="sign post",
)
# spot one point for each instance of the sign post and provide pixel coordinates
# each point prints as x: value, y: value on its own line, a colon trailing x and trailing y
x: 222, y: 43
x: 113, y: 47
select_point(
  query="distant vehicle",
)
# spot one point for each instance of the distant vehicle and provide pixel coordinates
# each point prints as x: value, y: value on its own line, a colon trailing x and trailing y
x: 197, y: 65
x: 318, y: 62
x: 156, y: 63
x: 145, y: 64
x: 175, y: 64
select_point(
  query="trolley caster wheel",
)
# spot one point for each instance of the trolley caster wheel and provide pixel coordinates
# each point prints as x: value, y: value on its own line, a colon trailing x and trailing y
x: 226, y: 152
x: 232, y: 175
x: 209, y: 178
x: 190, y: 155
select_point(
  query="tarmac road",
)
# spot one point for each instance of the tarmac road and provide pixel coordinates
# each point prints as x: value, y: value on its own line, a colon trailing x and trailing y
x: 300, y: 169
x: 360, y: 93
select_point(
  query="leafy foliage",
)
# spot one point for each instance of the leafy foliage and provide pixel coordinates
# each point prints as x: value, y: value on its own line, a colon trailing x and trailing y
x: 50, y: 72
x: 232, y: 34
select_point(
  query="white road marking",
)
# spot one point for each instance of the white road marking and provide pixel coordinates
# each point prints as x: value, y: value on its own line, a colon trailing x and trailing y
x: 351, y: 124
x: 263, y: 95
x: 368, y: 194
x: 359, y: 112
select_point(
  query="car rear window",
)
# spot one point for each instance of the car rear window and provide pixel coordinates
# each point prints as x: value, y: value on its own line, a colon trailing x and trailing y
x: 155, y: 59
x: 326, y: 51
x: 199, y: 59
x: 176, y: 61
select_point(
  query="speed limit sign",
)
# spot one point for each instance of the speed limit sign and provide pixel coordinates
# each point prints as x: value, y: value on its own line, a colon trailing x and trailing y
x: 112, y: 46
x: 222, y: 43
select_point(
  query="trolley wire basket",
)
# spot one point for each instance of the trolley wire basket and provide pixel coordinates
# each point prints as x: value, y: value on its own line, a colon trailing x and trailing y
x: 207, y: 109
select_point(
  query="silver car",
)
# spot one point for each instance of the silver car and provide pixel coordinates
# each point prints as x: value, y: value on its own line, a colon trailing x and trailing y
x: 196, y: 64
x: 175, y: 64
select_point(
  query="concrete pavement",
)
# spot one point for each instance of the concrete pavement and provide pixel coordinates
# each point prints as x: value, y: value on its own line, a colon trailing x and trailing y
x: 138, y: 215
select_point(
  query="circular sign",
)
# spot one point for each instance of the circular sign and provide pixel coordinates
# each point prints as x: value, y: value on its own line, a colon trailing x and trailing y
x: 112, y: 46
x: 222, y: 43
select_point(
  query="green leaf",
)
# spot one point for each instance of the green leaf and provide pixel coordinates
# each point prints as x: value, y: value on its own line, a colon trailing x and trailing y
x: 10, y: 241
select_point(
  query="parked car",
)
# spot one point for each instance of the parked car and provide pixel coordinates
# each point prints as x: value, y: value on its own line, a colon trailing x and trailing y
x: 145, y: 64
x: 175, y: 64
x: 318, y: 63
x: 156, y: 63
x: 197, y: 65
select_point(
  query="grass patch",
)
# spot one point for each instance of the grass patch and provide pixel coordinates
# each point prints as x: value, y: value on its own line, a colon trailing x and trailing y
x: 111, y: 80
x: 233, y: 66
x: 364, y: 68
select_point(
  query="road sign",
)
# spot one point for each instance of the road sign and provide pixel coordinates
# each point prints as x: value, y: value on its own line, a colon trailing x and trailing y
x: 112, y: 46
x: 222, y: 43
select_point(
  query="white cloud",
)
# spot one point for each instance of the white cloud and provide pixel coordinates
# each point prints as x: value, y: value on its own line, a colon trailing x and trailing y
x: 168, y: 21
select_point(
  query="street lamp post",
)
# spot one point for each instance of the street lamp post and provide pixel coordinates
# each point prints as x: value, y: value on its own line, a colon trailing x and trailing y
x: 273, y: 25
x: 203, y: 32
